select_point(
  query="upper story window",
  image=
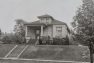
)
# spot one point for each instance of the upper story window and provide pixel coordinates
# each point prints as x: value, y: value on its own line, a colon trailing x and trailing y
x: 46, y: 20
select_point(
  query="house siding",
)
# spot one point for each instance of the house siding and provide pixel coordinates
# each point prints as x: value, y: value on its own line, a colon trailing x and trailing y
x: 64, y: 30
x: 48, y: 31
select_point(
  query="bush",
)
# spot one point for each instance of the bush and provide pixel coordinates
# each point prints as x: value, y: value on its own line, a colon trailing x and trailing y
x: 19, y: 39
x: 45, y: 40
x: 12, y: 38
x: 60, y: 41
x: 57, y: 41
x: 6, y: 40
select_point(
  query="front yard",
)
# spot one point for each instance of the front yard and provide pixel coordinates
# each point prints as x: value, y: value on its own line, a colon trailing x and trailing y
x: 5, y: 48
x: 49, y: 52
x: 61, y: 52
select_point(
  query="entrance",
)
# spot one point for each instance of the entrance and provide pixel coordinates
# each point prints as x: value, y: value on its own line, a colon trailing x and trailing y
x: 37, y: 34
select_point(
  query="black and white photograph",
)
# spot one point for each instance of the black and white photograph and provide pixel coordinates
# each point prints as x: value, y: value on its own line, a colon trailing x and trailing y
x: 46, y: 31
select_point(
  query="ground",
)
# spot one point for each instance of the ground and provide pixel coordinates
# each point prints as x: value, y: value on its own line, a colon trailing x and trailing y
x: 14, y: 53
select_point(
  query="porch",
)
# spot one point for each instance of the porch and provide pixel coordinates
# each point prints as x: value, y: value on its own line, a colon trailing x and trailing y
x: 33, y: 32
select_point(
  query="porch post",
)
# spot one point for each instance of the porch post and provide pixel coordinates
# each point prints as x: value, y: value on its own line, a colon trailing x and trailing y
x: 26, y: 31
x: 26, y: 34
x: 41, y: 30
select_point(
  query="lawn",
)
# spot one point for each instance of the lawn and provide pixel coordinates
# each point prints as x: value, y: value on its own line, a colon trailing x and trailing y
x: 47, y: 52
x: 17, y: 51
x: 5, y: 48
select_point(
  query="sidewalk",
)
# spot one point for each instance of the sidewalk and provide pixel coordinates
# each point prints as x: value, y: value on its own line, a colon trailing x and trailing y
x: 18, y: 60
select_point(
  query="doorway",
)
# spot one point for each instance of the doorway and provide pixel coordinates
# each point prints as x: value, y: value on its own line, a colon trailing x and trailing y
x: 37, y: 34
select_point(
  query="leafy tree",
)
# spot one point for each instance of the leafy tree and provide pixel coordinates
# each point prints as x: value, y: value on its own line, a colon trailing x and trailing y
x: 83, y: 24
x: 20, y: 30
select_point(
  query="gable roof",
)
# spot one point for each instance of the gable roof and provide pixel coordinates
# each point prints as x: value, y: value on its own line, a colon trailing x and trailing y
x: 54, y: 22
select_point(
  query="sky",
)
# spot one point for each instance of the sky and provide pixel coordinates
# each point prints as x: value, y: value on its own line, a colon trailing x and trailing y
x: 28, y: 10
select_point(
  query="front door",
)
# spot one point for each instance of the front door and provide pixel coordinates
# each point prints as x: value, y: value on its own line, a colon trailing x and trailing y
x: 37, y: 34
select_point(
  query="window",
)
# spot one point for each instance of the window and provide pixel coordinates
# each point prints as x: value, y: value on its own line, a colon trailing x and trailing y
x: 46, y: 20
x: 59, y: 31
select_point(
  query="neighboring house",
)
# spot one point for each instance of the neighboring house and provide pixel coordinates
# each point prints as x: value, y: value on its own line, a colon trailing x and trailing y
x: 46, y: 26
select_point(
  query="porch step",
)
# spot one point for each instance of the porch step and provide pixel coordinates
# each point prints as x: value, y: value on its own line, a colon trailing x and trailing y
x: 16, y: 51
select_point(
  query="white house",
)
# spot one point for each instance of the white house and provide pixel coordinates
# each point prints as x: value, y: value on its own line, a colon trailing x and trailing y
x: 46, y: 26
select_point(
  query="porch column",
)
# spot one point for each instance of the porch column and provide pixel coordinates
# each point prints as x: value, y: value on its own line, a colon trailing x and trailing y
x: 26, y: 31
x: 41, y: 30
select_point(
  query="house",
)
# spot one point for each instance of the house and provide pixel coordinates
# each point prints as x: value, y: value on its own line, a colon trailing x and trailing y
x: 46, y: 26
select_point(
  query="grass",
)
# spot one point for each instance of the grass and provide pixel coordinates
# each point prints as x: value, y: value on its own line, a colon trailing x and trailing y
x: 16, y: 51
x: 5, y: 48
x: 47, y: 52
x: 67, y: 53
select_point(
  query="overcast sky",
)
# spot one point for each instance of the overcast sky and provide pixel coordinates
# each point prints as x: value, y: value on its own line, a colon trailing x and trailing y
x: 28, y: 10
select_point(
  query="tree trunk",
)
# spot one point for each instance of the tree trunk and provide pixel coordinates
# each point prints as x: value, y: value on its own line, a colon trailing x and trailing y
x: 91, y: 57
x: 91, y: 52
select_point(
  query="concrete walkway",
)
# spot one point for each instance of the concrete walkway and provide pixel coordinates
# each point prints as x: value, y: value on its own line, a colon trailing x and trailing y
x: 39, y: 60
x: 16, y: 51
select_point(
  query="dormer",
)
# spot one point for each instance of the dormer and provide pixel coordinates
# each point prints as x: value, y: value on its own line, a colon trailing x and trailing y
x: 46, y: 19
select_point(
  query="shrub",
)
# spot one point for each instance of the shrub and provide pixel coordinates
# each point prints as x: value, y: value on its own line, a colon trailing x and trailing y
x: 6, y: 40
x: 57, y: 41
x: 45, y: 40
x: 12, y: 38
x: 19, y: 39
x: 60, y: 41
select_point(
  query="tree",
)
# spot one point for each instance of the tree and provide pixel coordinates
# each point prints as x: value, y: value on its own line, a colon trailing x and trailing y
x: 20, y: 30
x: 83, y: 24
